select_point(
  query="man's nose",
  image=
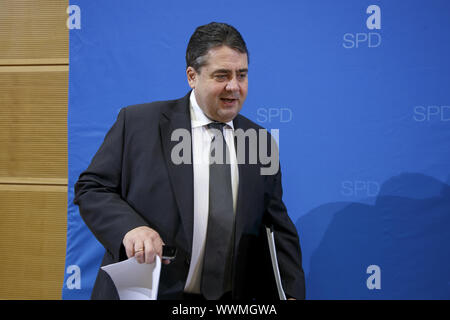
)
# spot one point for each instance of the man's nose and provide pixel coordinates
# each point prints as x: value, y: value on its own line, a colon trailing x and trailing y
x: 233, y: 85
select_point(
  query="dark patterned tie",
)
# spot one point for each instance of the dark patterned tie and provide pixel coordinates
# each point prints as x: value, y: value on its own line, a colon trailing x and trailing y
x: 216, y: 276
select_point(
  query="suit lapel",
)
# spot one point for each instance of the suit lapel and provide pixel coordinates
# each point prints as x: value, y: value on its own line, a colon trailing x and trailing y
x: 244, y: 199
x: 181, y: 175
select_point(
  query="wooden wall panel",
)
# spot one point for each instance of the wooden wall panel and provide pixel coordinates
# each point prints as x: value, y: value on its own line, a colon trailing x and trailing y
x: 34, y: 57
x: 33, y: 122
x: 33, y: 29
x: 32, y: 247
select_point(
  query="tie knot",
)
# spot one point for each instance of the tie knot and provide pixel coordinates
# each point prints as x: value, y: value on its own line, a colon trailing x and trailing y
x: 217, y: 125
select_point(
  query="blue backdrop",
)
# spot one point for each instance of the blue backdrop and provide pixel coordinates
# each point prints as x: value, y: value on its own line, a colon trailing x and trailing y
x: 360, y: 93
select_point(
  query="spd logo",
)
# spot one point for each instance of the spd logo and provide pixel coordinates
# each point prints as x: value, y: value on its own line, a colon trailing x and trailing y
x: 366, y: 39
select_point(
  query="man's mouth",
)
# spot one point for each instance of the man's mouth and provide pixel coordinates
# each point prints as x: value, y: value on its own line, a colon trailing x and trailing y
x: 228, y: 100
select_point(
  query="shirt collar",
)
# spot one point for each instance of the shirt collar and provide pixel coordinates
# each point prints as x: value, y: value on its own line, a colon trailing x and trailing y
x: 198, y: 117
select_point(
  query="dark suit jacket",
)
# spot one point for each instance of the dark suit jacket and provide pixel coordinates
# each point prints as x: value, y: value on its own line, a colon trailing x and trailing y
x: 132, y: 182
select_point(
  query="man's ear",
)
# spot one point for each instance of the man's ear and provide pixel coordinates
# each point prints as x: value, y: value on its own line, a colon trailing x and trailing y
x: 191, y: 77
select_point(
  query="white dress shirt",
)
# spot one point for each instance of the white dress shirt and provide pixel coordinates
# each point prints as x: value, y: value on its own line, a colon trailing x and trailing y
x: 201, y: 143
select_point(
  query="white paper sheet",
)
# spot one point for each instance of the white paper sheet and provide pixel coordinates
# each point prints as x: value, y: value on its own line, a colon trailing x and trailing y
x: 273, y: 256
x: 135, y: 281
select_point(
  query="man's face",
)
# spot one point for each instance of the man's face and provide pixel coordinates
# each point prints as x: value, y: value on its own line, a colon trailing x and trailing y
x: 221, y: 84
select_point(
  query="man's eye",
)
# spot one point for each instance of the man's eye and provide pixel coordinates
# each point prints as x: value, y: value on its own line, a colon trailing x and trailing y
x: 221, y: 76
x: 242, y: 76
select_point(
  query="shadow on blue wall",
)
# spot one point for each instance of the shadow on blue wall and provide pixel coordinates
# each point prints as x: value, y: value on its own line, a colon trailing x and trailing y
x: 405, y: 233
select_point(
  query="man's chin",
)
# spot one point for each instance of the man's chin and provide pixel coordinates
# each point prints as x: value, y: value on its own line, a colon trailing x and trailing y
x: 227, y: 116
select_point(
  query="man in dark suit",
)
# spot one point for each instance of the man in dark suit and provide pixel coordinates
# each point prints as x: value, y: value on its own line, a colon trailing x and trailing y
x: 136, y: 197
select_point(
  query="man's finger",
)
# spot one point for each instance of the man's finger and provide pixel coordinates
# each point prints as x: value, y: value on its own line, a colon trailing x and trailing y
x: 149, y: 251
x: 159, y: 247
x: 129, y: 249
x: 139, y: 252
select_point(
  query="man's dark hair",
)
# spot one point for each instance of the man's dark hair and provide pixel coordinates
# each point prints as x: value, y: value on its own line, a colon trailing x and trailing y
x: 209, y: 36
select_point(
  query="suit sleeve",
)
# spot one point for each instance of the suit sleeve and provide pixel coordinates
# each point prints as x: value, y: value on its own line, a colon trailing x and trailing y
x: 286, y: 240
x: 98, y: 192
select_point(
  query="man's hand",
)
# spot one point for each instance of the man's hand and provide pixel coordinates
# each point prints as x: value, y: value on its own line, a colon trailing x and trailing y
x: 144, y: 244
